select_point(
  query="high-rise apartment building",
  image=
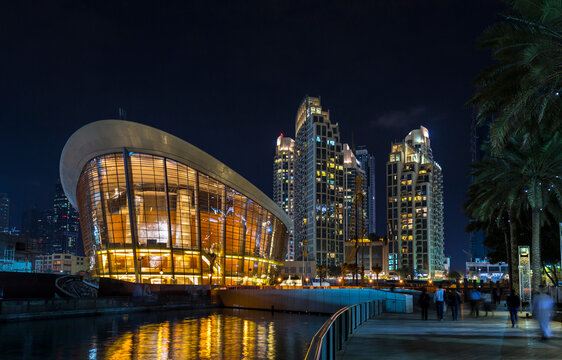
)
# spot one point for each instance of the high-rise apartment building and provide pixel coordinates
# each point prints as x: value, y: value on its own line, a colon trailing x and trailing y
x: 284, y: 183
x: 415, y: 207
x: 354, y: 197
x: 64, y: 224
x: 368, y: 166
x: 4, y: 212
x: 319, y: 177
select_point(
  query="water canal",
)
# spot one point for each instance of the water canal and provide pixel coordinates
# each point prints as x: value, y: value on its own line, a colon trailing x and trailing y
x: 193, y: 334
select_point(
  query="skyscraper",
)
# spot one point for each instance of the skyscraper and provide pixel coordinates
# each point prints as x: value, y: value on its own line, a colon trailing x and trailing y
x: 368, y: 165
x: 354, y: 199
x: 4, y: 212
x: 65, y: 225
x: 415, y: 207
x: 284, y: 183
x: 319, y: 174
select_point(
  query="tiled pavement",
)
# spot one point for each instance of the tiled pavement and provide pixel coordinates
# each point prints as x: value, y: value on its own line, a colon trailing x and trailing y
x: 405, y: 336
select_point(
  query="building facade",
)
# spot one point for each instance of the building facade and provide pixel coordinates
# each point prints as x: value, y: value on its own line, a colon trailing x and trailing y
x: 4, y: 212
x: 415, y: 207
x: 368, y: 165
x: 156, y: 209
x: 284, y: 183
x: 61, y: 263
x: 319, y: 177
x: 65, y: 225
x: 354, y: 198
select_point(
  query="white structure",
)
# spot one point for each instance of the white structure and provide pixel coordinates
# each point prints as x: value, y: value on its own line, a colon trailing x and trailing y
x: 484, y: 271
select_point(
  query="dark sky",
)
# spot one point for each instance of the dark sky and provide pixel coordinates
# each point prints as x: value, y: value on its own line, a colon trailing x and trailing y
x: 228, y: 77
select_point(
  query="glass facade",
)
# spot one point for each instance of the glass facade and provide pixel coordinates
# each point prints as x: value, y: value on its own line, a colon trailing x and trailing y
x: 150, y: 219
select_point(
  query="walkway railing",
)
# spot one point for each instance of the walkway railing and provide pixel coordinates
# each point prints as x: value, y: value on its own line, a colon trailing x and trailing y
x: 335, y: 331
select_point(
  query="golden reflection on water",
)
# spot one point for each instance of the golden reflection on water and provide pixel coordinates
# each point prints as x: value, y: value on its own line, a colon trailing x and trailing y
x: 217, y: 336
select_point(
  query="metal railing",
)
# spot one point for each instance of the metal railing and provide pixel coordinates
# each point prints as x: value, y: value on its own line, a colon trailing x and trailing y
x: 336, y: 330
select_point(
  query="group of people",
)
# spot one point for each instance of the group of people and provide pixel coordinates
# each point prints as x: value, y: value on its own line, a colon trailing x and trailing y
x: 452, y: 298
x: 486, y: 300
x: 542, y: 305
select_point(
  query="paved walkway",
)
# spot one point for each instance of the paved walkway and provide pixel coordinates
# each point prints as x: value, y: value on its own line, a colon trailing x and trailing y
x: 405, y: 336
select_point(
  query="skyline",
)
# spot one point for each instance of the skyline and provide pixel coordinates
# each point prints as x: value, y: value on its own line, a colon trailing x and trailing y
x: 190, y: 78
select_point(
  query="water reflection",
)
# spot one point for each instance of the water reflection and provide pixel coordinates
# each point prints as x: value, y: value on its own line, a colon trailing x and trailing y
x: 220, y: 334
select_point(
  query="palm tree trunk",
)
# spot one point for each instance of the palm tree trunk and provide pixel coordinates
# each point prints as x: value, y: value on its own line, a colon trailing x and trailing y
x: 509, y: 258
x: 536, y: 250
x: 514, y: 265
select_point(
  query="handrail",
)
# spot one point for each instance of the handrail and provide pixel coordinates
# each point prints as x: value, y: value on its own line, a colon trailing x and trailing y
x: 329, y: 339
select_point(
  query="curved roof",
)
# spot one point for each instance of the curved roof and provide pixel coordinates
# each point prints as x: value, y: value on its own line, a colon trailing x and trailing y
x: 111, y: 136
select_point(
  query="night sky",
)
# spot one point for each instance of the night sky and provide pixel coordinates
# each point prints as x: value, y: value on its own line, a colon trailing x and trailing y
x: 228, y: 77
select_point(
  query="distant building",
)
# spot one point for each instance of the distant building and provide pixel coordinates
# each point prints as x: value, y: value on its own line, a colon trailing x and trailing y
x: 284, y: 183
x: 319, y: 185
x: 415, y: 207
x: 354, y: 199
x: 484, y: 271
x: 447, y: 264
x: 64, y: 224
x: 4, y: 212
x: 61, y: 263
x: 298, y: 269
x: 369, y: 254
x: 368, y: 165
x: 16, y: 253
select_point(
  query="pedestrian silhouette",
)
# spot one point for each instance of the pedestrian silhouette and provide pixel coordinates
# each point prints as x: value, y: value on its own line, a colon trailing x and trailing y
x: 424, y: 303
x: 542, y: 310
x: 513, y: 302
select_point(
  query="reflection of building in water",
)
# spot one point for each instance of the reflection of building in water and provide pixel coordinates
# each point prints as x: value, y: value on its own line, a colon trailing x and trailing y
x: 193, y: 219
x: 214, y: 337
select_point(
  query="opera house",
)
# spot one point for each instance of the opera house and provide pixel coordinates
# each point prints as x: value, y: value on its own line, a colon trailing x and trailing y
x: 156, y: 209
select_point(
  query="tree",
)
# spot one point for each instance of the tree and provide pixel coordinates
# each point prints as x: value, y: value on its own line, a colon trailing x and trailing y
x: 406, y: 272
x: 353, y: 268
x: 522, y: 177
x: 520, y: 93
x: 321, y: 271
x: 377, y: 269
x: 455, y: 275
x: 344, y: 269
x: 492, y: 201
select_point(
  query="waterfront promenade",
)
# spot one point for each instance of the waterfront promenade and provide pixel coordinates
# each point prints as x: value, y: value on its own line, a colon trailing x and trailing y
x: 405, y: 336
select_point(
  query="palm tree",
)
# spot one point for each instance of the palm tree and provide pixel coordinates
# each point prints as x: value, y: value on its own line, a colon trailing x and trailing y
x: 321, y: 271
x: 537, y: 174
x: 377, y: 269
x: 344, y: 270
x: 490, y: 198
x: 521, y: 93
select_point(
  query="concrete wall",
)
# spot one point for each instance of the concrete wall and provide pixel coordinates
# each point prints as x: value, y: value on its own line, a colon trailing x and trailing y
x: 312, y: 300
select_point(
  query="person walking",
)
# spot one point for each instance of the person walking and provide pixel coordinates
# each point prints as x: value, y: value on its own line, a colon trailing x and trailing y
x: 424, y: 301
x: 542, y: 310
x: 488, y: 304
x: 475, y: 297
x: 438, y: 298
x: 513, y: 302
x: 453, y: 301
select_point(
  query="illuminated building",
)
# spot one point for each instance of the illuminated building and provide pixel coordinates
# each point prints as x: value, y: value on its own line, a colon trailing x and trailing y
x: 415, y: 207
x: 64, y: 224
x: 284, y: 183
x: 61, y: 263
x: 368, y: 166
x: 354, y: 200
x: 156, y: 209
x: 318, y: 186
x: 4, y: 212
